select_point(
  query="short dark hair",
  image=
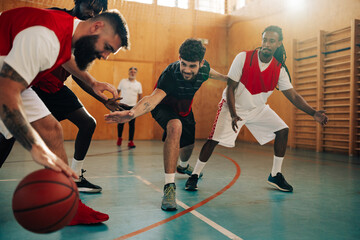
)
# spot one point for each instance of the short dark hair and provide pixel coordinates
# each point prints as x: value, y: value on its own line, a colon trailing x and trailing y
x: 133, y: 68
x: 192, y: 50
x: 102, y: 3
x: 118, y: 23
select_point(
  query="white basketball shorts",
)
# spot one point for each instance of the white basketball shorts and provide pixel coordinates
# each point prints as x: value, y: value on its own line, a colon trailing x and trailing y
x: 34, y: 109
x: 262, y: 126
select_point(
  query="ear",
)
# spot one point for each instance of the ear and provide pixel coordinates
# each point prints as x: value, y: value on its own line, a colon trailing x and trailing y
x: 202, y: 63
x: 279, y: 44
x: 96, y: 27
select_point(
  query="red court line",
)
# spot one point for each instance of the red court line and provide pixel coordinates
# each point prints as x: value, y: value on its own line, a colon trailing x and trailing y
x: 99, y: 154
x: 237, y: 175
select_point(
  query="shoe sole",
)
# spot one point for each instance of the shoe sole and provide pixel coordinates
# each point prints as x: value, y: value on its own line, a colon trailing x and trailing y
x: 169, y: 209
x: 89, y: 190
x: 201, y: 174
x: 191, y: 189
x: 281, y: 189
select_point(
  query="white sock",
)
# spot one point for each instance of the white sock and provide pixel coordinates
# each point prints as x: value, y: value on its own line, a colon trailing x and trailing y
x: 77, y: 165
x: 277, y: 163
x: 183, y: 164
x: 198, y: 167
x: 169, y: 178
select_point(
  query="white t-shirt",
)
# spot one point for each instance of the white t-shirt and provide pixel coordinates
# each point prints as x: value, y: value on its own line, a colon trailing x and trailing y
x: 129, y: 91
x: 246, y: 104
x: 34, y: 49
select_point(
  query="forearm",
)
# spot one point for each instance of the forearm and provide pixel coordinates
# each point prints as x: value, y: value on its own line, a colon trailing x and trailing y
x: 84, y: 76
x: 88, y: 89
x: 230, y: 97
x: 301, y: 104
x: 144, y: 106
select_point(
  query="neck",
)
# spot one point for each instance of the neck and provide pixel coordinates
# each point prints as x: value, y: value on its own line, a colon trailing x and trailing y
x: 79, y: 32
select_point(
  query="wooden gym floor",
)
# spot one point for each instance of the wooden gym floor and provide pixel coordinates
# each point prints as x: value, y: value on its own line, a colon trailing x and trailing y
x: 233, y: 202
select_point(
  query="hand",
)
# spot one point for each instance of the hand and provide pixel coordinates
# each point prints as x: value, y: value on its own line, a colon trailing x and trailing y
x: 119, y: 117
x: 100, y: 87
x: 113, y: 105
x: 320, y: 117
x: 42, y: 155
x: 234, y: 121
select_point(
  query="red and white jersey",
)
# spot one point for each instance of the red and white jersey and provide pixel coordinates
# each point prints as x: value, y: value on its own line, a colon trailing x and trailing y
x: 257, y: 81
x: 35, y: 41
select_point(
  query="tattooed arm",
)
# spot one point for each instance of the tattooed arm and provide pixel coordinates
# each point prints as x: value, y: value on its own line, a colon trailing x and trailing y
x: 145, y: 105
x: 12, y: 114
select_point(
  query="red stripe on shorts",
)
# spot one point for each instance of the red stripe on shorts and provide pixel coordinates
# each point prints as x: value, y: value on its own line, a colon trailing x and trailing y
x: 221, y: 103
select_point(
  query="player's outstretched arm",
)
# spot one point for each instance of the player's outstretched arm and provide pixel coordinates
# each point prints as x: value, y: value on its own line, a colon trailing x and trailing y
x: 218, y: 76
x: 299, y: 102
x: 11, y: 113
x: 145, y: 105
x: 97, y: 87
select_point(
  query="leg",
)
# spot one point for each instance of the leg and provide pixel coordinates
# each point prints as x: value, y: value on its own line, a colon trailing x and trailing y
x: 51, y: 132
x: 207, y: 150
x: 280, y: 143
x: 5, y: 148
x: 120, y: 128
x: 185, y: 153
x: 131, y: 133
x: 172, y: 145
x: 171, y: 154
x: 86, y: 125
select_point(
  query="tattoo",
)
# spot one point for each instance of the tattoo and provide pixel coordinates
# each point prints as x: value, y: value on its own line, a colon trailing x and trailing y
x: 18, y: 126
x: 147, y: 107
x: 9, y: 72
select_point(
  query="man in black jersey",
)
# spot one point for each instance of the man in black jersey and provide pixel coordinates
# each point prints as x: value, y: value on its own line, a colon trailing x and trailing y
x: 170, y: 105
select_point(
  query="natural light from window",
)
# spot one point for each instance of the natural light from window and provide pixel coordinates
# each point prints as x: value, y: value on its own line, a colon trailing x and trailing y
x: 174, y: 3
x: 216, y: 6
x: 141, y: 1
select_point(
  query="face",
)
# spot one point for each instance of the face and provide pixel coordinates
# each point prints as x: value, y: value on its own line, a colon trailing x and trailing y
x: 132, y: 73
x: 270, y: 42
x: 190, y: 69
x: 85, y: 51
x: 87, y: 9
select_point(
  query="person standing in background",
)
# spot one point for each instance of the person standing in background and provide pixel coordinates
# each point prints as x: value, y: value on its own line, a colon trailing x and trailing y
x: 131, y: 92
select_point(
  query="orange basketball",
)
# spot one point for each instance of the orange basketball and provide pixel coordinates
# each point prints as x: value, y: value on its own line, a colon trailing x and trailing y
x: 45, y: 201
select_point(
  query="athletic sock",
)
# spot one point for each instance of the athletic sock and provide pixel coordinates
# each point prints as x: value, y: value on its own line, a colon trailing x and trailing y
x: 77, y: 165
x: 169, y: 178
x: 277, y: 163
x: 183, y: 164
x: 198, y: 167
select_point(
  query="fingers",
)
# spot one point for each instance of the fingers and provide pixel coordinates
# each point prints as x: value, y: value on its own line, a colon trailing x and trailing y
x: 66, y: 169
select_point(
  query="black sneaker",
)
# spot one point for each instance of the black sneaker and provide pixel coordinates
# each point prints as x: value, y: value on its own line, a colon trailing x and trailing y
x: 280, y: 183
x: 169, y: 201
x: 191, y: 183
x: 186, y: 170
x: 85, y: 186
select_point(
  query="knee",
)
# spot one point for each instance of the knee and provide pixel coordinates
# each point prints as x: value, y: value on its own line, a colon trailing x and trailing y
x: 89, y: 124
x: 174, y: 128
x: 282, y: 133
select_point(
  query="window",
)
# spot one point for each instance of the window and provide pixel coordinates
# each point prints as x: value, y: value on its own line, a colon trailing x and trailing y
x: 240, y: 4
x: 217, y: 6
x: 141, y: 1
x: 174, y: 3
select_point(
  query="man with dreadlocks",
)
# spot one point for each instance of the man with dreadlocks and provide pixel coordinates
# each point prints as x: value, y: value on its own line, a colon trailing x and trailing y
x: 255, y: 74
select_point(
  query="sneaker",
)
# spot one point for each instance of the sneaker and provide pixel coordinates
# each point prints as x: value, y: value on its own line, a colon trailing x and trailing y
x: 280, y: 183
x: 186, y: 170
x: 87, y: 215
x: 85, y: 186
x: 119, y: 141
x: 191, y: 183
x: 169, y: 201
x: 131, y: 144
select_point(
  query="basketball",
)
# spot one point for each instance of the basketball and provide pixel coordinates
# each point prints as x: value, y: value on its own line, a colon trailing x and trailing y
x: 45, y: 201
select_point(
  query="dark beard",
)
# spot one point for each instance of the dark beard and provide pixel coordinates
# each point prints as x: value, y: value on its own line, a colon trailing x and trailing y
x: 85, y: 52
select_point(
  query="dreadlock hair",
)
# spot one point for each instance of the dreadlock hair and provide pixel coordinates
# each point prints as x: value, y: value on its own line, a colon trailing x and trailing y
x: 280, y: 53
x: 192, y: 50
x: 102, y: 3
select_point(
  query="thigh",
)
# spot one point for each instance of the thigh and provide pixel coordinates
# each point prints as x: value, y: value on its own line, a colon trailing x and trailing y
x: 163, y: 114
x: 188, y: 130
x: 222, y: 131
x: 265, y: 124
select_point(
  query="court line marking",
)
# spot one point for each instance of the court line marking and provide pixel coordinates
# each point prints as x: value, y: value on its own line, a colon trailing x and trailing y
x: 188, y: 209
